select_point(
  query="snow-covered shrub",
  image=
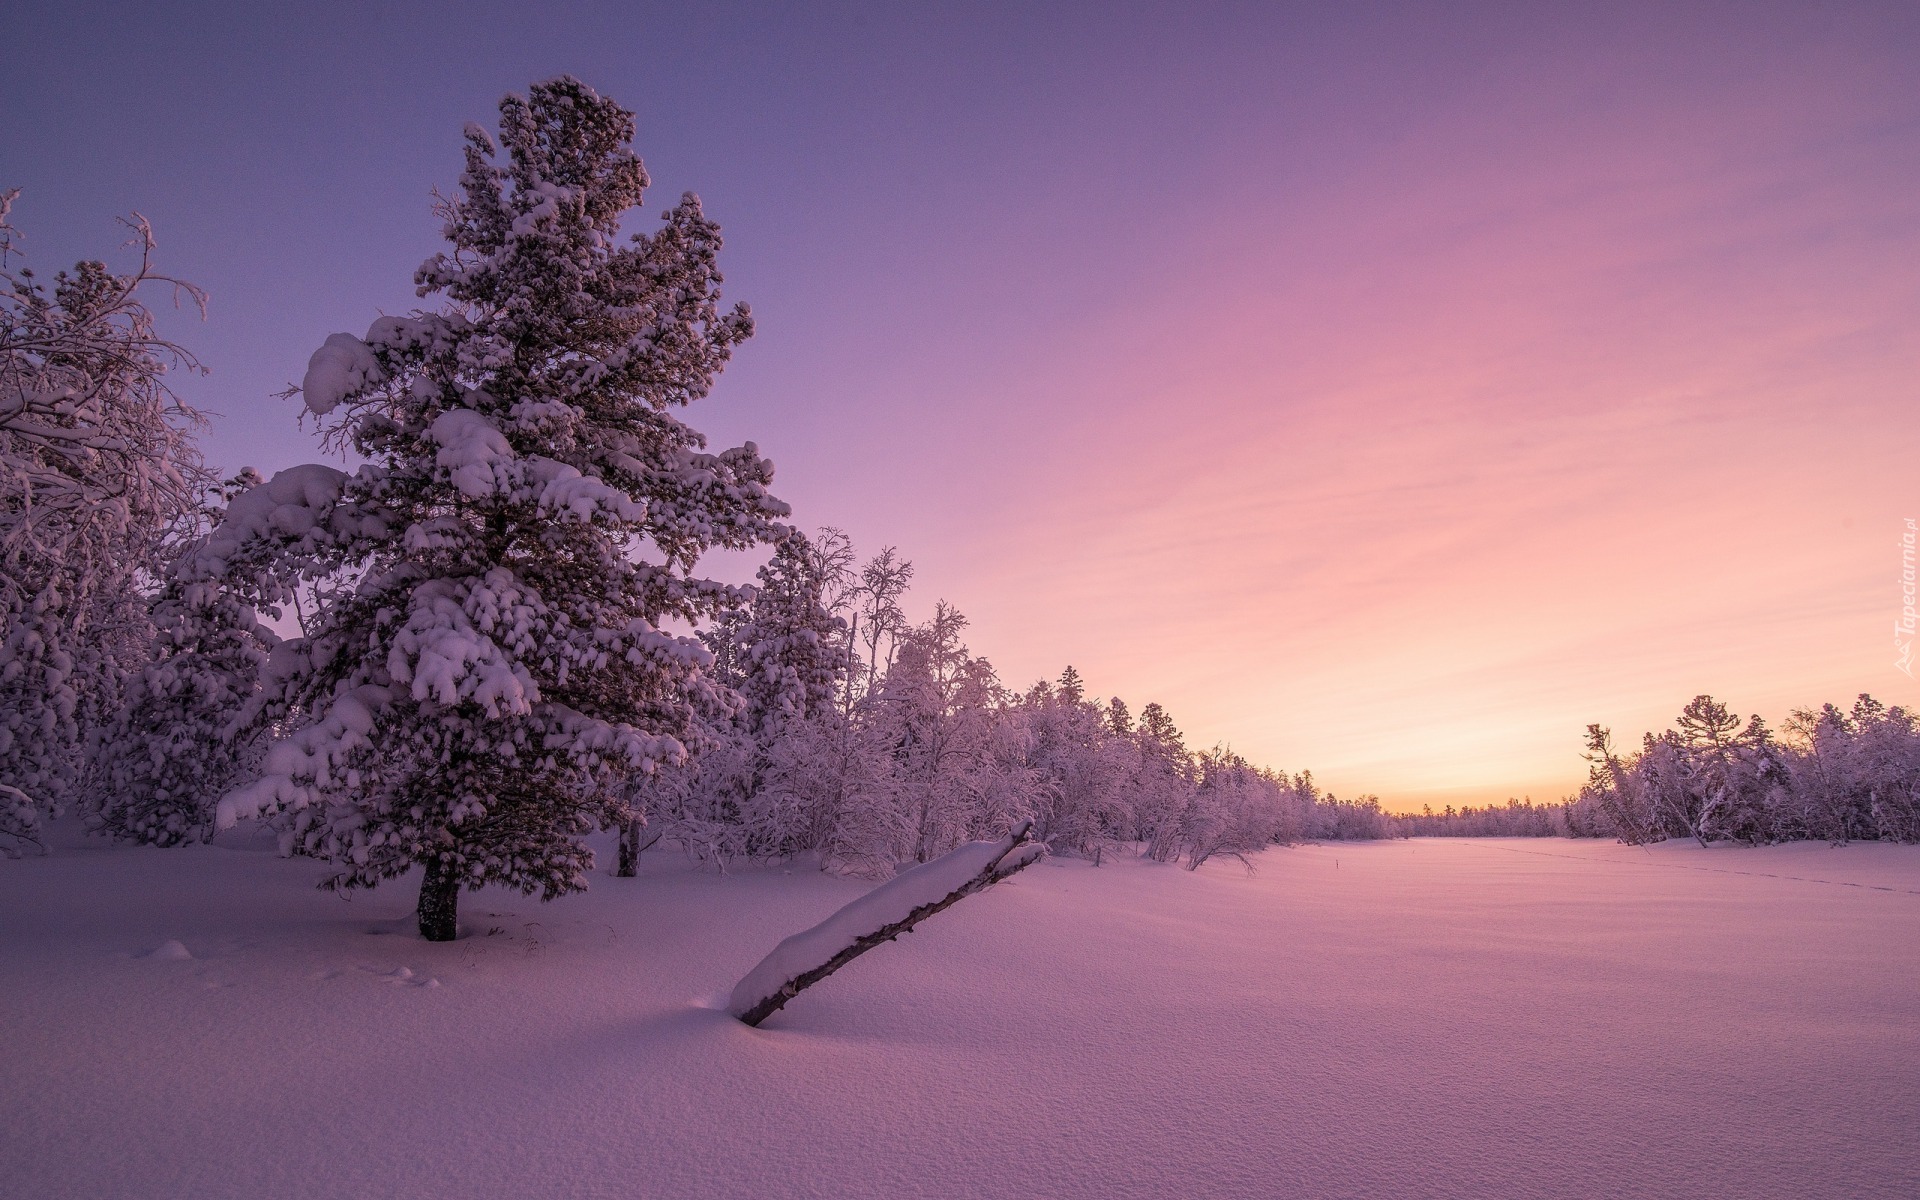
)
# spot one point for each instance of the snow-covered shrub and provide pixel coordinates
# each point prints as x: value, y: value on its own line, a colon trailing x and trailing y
x: 1237, y: 809
x: 192, y: 726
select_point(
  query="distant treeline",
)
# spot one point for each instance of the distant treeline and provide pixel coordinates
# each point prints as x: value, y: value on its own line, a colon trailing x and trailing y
x: 1516, y: 818
x: 1834, y: 775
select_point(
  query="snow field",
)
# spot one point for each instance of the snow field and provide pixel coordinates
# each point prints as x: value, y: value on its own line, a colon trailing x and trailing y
x: 1435, y: 1018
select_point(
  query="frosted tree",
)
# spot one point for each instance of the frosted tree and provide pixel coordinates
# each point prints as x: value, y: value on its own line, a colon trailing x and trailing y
x: 936, y: 751
x: 756, y: 791
x: 1080, y: 769
x: 1702, y: 778
x: 878, y: 620
x: 99, y: 477
x: 830, y: 560
x: 797, y: 660
x: 1519, y: 817
x: 1752, y: 787
x: 194, y: 717
x: 1834, y: 774
x: 1617, y: 791
x: 1162, y: 783
x: 1886, y: 760
x: 1359, y: 819
x: 527, y: 523
x: 1856, y: 773
x: 957, y: 767
x: 1235, y: 811
x: 791, y: 652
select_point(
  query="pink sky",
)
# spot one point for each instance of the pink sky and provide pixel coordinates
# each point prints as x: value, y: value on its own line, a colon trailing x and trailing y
x: 1388, y: 390
x: 1535, y: 416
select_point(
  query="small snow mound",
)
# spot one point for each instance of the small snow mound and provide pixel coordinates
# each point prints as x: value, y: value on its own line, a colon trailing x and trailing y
x: 168, y: 951
x: 341, y: 366
x: 400, y: 974
x: 434, y: 983
x: 472, y: 451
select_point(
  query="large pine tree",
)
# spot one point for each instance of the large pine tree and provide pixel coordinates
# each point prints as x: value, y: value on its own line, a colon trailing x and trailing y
x: 528, y: 519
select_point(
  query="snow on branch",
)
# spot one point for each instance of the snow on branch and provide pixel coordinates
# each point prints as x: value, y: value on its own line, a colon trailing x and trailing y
x: 881, y: 915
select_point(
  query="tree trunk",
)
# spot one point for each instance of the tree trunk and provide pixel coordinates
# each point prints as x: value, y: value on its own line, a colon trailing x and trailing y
x: 440, y: 901
x: 631, y: 847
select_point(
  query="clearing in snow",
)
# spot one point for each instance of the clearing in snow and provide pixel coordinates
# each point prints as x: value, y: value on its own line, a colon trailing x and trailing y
x: 1433, y: 1018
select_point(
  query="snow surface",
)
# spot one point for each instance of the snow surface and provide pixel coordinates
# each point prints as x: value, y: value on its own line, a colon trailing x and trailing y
x: 889, y: 904
x: 1436, y: 1018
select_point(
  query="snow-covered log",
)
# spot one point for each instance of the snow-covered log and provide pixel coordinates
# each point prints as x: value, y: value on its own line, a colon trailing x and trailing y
x: 881, y: 915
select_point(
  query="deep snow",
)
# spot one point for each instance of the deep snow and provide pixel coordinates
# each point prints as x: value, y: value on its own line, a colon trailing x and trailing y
x: 1435, y: 1018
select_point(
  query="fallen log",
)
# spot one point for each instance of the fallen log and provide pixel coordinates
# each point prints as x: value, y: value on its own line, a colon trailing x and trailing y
x: 881, y: 915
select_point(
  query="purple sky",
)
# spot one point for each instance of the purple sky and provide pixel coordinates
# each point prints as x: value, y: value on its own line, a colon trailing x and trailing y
x: 1387, y: 389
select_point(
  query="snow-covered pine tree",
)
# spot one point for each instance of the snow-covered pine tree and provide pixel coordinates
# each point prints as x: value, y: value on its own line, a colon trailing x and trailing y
x: 1080, y: 799
x: 529, y: 516
x: 98, y: 476
x: 796, y: 660
x: 1073, y: 689
x: 794, y: 656
x: 1162, y: 784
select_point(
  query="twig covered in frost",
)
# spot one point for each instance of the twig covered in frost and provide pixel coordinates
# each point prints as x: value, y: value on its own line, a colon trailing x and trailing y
x: 881, y: 915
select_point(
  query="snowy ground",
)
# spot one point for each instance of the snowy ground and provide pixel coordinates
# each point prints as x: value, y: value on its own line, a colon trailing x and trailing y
x: 1425, y: 1019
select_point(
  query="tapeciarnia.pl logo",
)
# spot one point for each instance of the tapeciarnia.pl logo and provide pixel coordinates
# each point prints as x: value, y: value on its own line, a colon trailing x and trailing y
x: 1903, y: 629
